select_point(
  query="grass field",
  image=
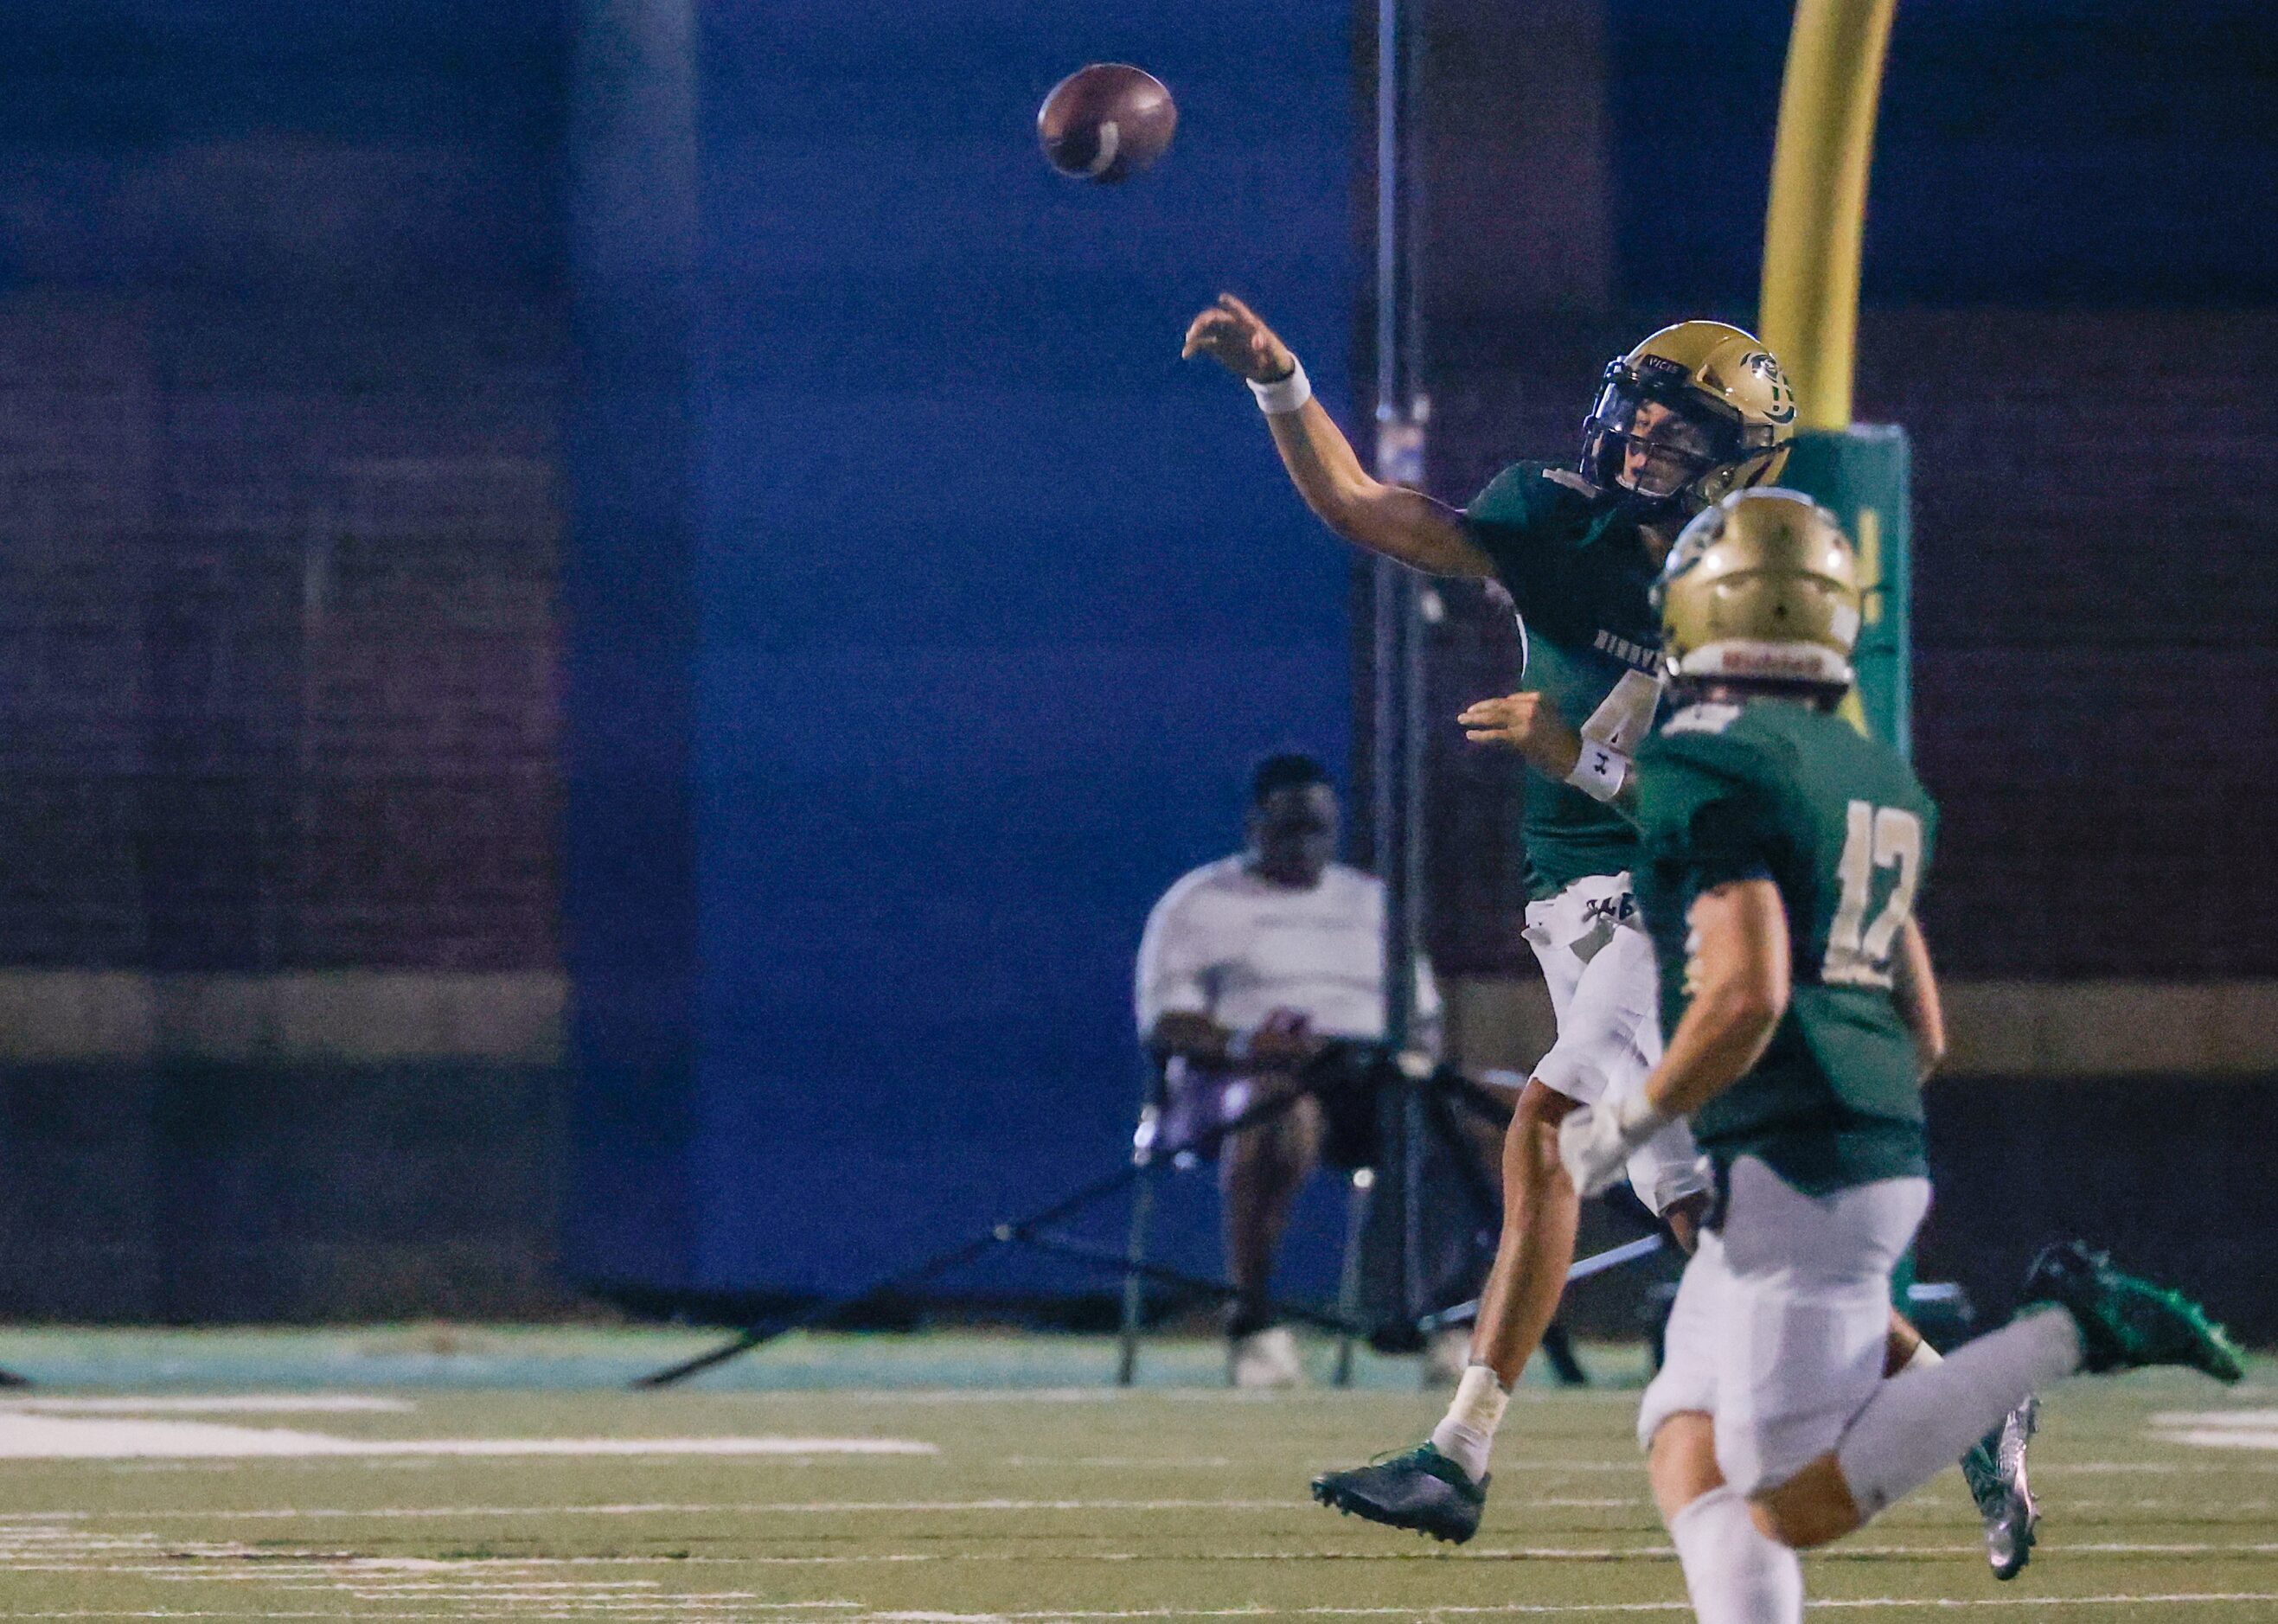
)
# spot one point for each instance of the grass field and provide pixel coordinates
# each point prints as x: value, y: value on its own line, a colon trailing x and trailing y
x: 1016, y: 1502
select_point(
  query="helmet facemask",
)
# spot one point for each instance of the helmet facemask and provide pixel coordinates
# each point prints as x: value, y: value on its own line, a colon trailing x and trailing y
x: 1666, y: 450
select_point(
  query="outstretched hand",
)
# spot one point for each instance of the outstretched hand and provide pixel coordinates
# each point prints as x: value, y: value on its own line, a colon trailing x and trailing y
x: 1230, y: 333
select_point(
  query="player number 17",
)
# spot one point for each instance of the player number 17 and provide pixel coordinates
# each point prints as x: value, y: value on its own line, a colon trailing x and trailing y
x: 1875, y: 837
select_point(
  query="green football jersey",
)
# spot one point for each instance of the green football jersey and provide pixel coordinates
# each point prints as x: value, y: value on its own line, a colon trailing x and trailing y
x: 1578, y: 571
x: 1778, y: 790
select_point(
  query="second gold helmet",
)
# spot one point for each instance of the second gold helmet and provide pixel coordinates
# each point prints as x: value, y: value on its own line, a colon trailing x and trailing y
x: 1762, y: 587
x: 1695, y: 412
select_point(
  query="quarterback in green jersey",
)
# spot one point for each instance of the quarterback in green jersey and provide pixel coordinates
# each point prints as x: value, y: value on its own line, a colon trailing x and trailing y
x: 1697, y: 410
x: 1781, y: 855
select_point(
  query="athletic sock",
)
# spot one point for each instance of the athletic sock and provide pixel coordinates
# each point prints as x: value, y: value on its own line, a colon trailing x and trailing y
x: 1466, y: 1435
x: 1733, y: 1571
x: 1921, y: 1358
x: 1919, y: 1420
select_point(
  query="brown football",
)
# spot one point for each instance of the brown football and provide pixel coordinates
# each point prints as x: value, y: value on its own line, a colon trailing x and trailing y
x: 1106, y: 122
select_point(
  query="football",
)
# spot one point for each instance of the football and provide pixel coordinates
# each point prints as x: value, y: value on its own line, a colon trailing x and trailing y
x: 1106, y: 122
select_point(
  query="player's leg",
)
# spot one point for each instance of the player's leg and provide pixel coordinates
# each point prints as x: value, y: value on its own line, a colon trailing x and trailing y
x: 2085, y: 1315
x: 1439, y: 1487
x: 1801, y: 1261
x: 1602, y: 983
x: 1914, y: 1426
x: 1993, y: 1467
x: 1802, y: 1334
x: 1541, y: 1215
x: 1599, y: 973
x: 1261, y: 1169
x: 1732, y: 1572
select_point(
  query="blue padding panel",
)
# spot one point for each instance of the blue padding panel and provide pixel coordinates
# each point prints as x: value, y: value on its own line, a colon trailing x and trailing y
x: 994, y: 601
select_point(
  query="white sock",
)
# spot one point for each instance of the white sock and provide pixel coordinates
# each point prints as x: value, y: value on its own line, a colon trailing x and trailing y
x: 1919, y: 1420
x: 1466, y: 1433
x: 1923, y: 1358
x: 1734, y: 1573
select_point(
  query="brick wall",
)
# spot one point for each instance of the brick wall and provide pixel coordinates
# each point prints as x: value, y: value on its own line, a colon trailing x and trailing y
x: 278, y: 645
x: 283, y: 352
x: 282, y: 348
x: 2095, y: 628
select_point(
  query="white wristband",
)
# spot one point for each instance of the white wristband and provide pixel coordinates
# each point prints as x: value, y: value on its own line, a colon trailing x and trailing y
x: 1601, y: 773
x: 1283, y: 395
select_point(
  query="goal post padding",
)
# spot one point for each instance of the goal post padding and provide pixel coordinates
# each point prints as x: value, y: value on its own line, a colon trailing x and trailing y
x: 1861, y: 475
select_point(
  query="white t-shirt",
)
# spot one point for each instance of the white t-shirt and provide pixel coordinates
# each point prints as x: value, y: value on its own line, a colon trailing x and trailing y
x: 1225, y: 944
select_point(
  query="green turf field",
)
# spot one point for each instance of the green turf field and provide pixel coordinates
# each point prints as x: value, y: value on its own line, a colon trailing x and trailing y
x: 399, y: 1501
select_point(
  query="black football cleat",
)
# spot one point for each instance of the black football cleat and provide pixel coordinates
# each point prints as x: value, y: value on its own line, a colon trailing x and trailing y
x: 1419, y: 1489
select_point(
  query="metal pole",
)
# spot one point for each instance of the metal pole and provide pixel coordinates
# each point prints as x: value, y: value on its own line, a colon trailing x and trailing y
x: 1398, y: 459
x: 1399, y: 595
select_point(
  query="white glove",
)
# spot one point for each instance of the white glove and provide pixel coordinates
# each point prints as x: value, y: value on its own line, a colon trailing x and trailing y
x: 1595, y: 1144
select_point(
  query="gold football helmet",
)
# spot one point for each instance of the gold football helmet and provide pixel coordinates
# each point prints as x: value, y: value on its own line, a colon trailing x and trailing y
x: 1762, y: 587
x: 1697, y: 411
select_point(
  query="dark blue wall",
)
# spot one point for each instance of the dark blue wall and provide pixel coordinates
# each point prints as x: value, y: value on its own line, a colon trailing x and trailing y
x: 984, y: 602
x: 2028, y: 152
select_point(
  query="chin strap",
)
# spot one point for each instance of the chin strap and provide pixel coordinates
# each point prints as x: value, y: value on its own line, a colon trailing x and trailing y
x: 1654, y: 510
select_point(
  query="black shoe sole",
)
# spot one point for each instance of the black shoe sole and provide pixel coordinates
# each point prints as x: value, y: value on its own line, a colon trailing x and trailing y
x: 1368, y: 1511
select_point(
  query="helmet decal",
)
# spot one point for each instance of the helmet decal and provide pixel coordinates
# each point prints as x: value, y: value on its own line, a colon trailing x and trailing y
x: 1782, y: 407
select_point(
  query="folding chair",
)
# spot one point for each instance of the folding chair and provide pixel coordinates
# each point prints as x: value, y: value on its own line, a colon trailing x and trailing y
x: 1152, y: 1158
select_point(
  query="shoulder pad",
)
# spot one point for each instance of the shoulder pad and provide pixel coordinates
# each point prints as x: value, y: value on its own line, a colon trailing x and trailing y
x: 1709, y: 738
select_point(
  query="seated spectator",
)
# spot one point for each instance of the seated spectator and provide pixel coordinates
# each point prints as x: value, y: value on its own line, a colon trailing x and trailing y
x: 1250, y: 969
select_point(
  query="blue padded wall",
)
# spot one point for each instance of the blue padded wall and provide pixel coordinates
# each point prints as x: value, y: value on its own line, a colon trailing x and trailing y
x: 926, y: 611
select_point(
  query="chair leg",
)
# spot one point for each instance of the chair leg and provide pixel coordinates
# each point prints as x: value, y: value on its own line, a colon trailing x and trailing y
x: 1135, y: 1283
x: 1558, y: 1348
x: 1348, y: 1283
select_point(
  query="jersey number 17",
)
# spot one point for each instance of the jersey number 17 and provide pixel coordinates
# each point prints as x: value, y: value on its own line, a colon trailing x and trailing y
x: 1875, y: 839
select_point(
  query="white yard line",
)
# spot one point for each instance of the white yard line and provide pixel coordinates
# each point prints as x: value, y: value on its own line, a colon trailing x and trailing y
x: 2265, y: 1419
x: 666, y: 1607
x: 2149, y: 1468
x: 1149, y: 1463
x: 217, y: 1404
x: 1565, y: 1609
x: 296, y: 1569
x: 663, y: 1508
x: 28, y: 1436
x: 2222, y: 1438
x: 946, y: 1506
